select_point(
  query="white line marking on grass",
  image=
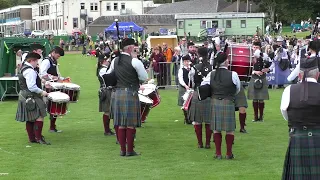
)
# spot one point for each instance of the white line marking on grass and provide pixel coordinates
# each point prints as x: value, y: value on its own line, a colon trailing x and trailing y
x: 7, y: 151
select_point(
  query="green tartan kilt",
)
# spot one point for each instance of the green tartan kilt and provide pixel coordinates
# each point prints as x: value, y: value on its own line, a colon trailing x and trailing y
x: 24, y: 115
x: 181, y: 92
x: 302, y: 159
x: 258, y: 94
x: 104, y: 106
x: 125, y: 108
x: 223, y: 115
x: 241, y: 99
x: 200, y: 111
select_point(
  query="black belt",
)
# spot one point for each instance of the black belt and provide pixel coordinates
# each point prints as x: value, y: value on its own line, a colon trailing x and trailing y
x: 126, y: 89
x: 305, y: 131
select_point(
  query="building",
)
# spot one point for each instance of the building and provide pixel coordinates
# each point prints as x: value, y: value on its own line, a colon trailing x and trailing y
x: 15, y: 20
x: 228, y: 24
x: 150, y: 22
x: 66, y: 15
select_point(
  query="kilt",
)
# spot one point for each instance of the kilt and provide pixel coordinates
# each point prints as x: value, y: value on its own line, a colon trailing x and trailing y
x: 302, y: 159
x: 126, y: 108
x: 241, y: 99
x: 223, y: 115
x: 104, y: 106
x: 258, y: 94
x: 111, y: 104
x: 200, y: 111
x: 23, y: 115
x: 181, y: 92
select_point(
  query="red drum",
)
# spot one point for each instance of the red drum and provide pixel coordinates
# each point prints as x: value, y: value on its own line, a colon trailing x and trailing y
x: 240, y: 57
x: 72, y: 90
x: 54, y: 86
x: 187, y: 97
x: 57, y: 104
x: 151, y: 91
x: 146, y: 105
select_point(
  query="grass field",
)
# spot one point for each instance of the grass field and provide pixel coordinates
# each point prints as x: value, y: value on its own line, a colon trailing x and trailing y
x: 169, y: 148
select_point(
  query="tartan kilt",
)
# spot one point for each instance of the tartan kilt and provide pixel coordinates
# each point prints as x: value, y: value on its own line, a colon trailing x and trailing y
x: 125, y: 108
x: 241, y: 99
x: 23, y: 115
x: 111, y: 104
x: 181, y: 92
x: 200, y: 111
x: 302, y: 159
x: 104, y: 106
x: 258, y: 94
x: 223, y: 115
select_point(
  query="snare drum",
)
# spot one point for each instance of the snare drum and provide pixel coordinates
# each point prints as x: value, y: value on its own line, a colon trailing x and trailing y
x: 57, y: 104
x: 240, y: 57
x: 146, y: 105
x: 187, y: 97
x: 73, y: 90
x: 53, y: 87
x: 151, y: 91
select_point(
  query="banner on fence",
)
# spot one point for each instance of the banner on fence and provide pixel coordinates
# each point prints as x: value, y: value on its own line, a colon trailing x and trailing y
x: 277, y: 76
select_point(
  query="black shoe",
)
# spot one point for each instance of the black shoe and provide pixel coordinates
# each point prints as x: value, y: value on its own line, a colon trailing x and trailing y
x: 110, y: 133
x: 256, y: 120
x: 117, y: 142
x: 218, y: 157
x: 133, y: 154
x: 243, y: 131
x: 208, y: 146
x: 55, y: 131
x: 43, y: 141
x: 122, y: 153
x: 33, y: 141
x: 230, y: 157
x: 200, y: 146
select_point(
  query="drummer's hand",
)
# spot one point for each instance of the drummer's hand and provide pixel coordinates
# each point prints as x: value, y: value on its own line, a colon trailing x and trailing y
x: 55, y: 78
x: 141, y: 88
x: 265, y: 70
x: 44, y: 93
x: 187, y: 87
x: 259, y: 73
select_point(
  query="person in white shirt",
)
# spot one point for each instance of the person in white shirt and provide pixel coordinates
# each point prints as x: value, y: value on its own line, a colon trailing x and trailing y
x: 225, y: 85
x: 31, y: 107
x: 36, y: 48
x: 300, y: 106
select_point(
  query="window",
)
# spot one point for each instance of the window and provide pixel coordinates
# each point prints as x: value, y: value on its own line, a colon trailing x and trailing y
x: 215, y: 24
x: 94, y: 6
x: 115, y: 6
x: 243, y: 24
x: 41, y: 11
x: 180, y: 24
x: 53, y: 25
x: 108, y: 6
x: 47, y: 9
x: 203, y: 24
x: 75, y: 22
x: 123, y: 6
x: 209, y: 24
x: 228, y: 23
x: 90, y: 20
x: 82, y: 6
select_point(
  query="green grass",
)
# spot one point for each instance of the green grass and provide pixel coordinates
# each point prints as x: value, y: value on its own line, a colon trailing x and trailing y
x: 288, y: 31
x: 169, y: 148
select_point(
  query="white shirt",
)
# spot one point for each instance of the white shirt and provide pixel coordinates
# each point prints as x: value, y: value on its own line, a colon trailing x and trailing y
x: 137, y: 65
x: 285, y: 100
x: 103, y: 71
x: 44, y: 66
x: 180, y: 76
x: 31, y: 79
x: 235, y: 80
x: 296, y: 71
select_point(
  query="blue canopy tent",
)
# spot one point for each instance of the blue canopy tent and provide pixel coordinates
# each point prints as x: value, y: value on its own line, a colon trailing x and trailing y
x: 124, y: 27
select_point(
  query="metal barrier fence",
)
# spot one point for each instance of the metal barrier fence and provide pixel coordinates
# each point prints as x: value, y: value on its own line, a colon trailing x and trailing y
x: 165, y: 74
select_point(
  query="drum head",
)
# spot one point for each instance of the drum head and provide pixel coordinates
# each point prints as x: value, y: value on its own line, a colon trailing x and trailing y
x: 148, y: 89
x: 145, y: 99
x: 71, y: 86
x: 56, y: 85
x: 58, y: 97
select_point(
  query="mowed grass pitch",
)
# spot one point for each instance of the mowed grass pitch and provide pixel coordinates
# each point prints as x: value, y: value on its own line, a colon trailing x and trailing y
x: 169, y: 148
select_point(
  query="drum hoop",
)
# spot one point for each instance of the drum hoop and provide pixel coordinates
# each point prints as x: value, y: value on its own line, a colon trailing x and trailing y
x: 145, y: 98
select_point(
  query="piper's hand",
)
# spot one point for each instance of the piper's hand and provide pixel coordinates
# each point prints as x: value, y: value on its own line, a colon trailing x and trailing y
x: 44, y: 94
x: 141, y: 88
x: 265, y: 70
x: 55, y: 78
x: 259, y: 73
x: 187, y: 87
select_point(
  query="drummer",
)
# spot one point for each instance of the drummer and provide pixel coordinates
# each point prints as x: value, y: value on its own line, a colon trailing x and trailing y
x: 49, y: 71
x: 36, y: 48
x: 185, y: 83
x: 31, y: 110
x: 104, y: 93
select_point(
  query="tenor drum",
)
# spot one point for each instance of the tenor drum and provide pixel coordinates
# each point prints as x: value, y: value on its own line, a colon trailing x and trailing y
x: 151, y: 91
x: 187, y: 97
x: 240, y: 57
x: 73, y: 90
x: 57, y: 104
x: 53, y: 87
x: 146, y: 105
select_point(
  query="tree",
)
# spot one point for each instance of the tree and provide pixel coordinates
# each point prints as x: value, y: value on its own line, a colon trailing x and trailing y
x: 4, y: 4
